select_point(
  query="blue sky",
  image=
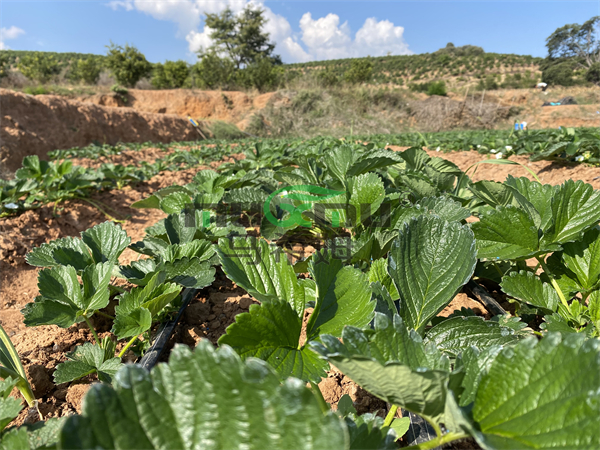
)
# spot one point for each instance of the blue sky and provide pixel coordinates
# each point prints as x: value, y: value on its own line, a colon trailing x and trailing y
x: 303, y: 30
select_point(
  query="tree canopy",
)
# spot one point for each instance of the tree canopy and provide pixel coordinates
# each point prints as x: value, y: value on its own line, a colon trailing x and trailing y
x: 581, y: 42
x: 240, y: 37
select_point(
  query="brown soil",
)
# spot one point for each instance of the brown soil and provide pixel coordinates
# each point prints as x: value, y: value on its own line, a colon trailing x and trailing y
x: 36, y: 125
x: 229, y: 106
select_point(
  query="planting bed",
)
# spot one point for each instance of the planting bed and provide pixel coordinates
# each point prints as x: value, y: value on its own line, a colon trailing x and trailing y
x: 215, y: 305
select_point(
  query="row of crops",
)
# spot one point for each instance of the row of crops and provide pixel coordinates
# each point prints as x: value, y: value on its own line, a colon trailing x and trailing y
x: 40, y: 182
x: 393, y: 241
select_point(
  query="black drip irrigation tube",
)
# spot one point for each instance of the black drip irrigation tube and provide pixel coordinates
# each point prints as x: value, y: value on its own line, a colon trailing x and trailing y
x: 165, y: 331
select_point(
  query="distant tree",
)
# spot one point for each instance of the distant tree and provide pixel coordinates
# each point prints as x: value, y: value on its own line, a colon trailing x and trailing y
x: 4, y: 65
x: 261, y: 74
x: 593, y: 73
x: 578, y: 42
x: 171, y: 74
x: 127, y: 64
x: 240, y: 37
x: 86, y: 70
x: 360, y: 71
x: 38, y: 67
x: 327, y: 77
x: 559, y: 73
x: 214, y: 71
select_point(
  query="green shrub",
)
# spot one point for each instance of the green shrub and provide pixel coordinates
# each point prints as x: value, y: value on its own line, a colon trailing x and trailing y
x: 170, y: 75
x: 213, y: 72
x: 4, y: 65
x: 127, y: 64
x: 593, y: 73
x: 261, y: 74
x: 559, y: 74
x: 360, y: 71
x: 436, y: 88
x: 38, y: 90
x: 38, y: 67
x: 86, y: 70
x: 327, y: 77
x: 225, y: 130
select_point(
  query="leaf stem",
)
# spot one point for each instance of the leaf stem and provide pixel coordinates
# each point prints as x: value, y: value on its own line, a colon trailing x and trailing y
x: 322, y: 403
x: 554, y: 283
x: 390, y: 416
x: 103, y: 314
x: 438, y: 441
x: 129, y: 344
x: 89, y: 324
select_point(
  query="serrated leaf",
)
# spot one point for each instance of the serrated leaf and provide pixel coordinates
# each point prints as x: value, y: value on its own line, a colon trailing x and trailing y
x: 106, y: 241
x: 583, y: 259
x: 265, y: 274
x: 533, y: 196
x: 343, y: 296
x: 457, y: 334
x: 475, y: 363
x: 132, y: 324
x: 372, y: 160
x: 498, y: 241
x: 175, y: 202
x: 180, y: 228
x: 528, y: 288
x: 163, y: 409
x: 95, y: 279
x: 575, y: 208
x: 10, y: 408
x: 492, y: 193
x: 271, y: 332
x: 429, y: 262
x: 534, y: 395
x: 154, y: 200
x: 393, y: 341
x: 67, y: 251
x: 189, y: 272
x: 367, y: 431
x: 366, y: 195
x: 421, y: 391
x: 445, y: 208
x: 84, y: 360
x: 378, y: 272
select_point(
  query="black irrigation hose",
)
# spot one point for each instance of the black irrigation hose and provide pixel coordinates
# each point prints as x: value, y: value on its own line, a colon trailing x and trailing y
x: 484, y: 298
x: 419, y: 430
x: 150, y: 358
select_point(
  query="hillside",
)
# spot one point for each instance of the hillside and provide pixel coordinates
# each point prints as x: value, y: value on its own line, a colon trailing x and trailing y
x: 455, y: 65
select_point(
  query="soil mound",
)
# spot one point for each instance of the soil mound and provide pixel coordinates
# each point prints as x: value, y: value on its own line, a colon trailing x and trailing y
x: 35, y: 125
x: 229, y: 106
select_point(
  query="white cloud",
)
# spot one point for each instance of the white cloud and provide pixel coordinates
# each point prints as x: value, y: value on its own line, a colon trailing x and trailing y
x: 7, y: 34
x: 321, y: 38
x: 379, y: 38
x: 325, y: 38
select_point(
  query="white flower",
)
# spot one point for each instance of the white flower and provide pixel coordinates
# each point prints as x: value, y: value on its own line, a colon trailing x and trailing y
x: 11, y: 206
x: 493, y: 150
x: 508, y: 148
x: 478, y: 145
x: 499, y: 155
x: 437, y: 150
x: 579, y: 158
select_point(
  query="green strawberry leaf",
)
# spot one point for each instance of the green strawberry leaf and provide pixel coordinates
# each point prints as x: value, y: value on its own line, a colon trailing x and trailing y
x: 271, y: 332
x: 158, y: 410
x: 429, y: 262
x: 85, y: 360
x: 528, y: 288
x: 343, y: 296
x: 266, y: 275
x: 541, y: 395
x: 457, y: 334
x: 497, y: 241
x: 106, y: 241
